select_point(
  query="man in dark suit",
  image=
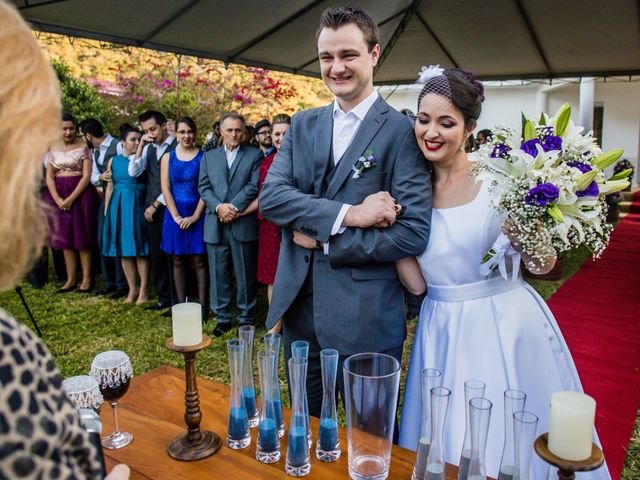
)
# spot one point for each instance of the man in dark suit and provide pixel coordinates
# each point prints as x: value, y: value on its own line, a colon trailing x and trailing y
x: 104, y: 148
x: 155, y: 142
x: 228, y: 184
x: 352, y: 192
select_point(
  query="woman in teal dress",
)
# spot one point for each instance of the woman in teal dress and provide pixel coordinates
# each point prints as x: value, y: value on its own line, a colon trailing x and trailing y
x: 182, y: 230
x: 124, y: 234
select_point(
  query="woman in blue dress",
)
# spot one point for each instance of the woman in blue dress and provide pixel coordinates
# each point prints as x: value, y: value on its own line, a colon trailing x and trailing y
x: 124, y: 234
x: 182, y: 230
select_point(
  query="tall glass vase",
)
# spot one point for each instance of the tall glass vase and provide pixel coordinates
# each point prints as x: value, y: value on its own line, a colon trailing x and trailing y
x: 435, y: 460
x: 272, y: 345
x: 298, y: 462
x: 268, y: 448
x: 300, y: 349
x: 479, y: 416
x: 246, y: 333
x: 514, y: 401
x: 328, y: 444
x: 430, y: 378
x: 472, y: 389
x: 524, y: 432
x: 238, y: 435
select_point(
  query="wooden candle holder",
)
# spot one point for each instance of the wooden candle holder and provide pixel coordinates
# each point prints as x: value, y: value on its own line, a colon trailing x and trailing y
x: 567, y: 468
x: 196, y: 443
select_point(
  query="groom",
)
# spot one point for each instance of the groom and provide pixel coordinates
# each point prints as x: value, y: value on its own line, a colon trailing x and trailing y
x: 342, y: 169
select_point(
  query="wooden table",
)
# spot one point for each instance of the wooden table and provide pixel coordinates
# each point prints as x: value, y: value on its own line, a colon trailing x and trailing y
x: 153, y: 411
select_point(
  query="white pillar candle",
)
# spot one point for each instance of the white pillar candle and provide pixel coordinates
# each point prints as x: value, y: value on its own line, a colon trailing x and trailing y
x: 571, y: 425
x: 187, y: 324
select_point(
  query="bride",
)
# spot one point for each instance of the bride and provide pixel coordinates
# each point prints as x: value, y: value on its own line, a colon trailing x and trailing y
x: 474, y: 326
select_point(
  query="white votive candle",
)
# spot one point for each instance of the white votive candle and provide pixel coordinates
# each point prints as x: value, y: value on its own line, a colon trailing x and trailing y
x: 187, y: 324
x: 571, y: 425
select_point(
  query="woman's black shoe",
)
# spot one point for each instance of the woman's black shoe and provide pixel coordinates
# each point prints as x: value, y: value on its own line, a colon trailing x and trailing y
x: 67, y: 290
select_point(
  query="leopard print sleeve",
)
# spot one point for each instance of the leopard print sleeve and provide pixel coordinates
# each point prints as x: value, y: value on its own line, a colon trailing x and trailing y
x: 40, y: 431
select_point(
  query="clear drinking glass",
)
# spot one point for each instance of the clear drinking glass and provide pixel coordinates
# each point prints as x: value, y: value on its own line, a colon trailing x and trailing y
x: 113, y: 371
x: 479, y: 415
x: 272, y: 345
x: 524, y: 432
x: 435, y: 460
x: 300, y: 348
x: 83, y: 391
x: 472, y: 389
x: 268, y: 447
x: 430, y: 378
x: 246, y: 334
x: 298, y: 462
x: 514, y: 401
x: 238, y: 435
x: 372, y: 382
x: 328, y: 444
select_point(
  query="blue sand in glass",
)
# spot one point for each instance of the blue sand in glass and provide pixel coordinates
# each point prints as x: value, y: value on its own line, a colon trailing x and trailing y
x: 238, y: 426
x: 328, y: 434
x: 249, y: 396
x: 297, y: 454
x: 277, y: 407
x: 268, y: 435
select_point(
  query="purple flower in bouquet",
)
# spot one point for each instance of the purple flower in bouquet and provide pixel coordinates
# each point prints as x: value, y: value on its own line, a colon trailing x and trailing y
x: 592, y: 190
x: 542, y: 195
x: 530, y: 147
x: 583, y: 167
x: 552, y: 142
x: 500, y: 151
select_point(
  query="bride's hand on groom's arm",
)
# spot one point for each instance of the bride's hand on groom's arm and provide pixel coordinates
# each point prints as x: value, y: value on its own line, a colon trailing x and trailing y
x: 304, y: 241
x: 379, y: 210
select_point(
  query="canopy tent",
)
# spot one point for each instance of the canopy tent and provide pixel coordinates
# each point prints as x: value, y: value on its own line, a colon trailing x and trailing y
x: 496, y: 39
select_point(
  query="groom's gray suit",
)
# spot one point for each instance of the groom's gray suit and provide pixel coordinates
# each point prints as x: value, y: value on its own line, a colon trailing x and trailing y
x: 351, y: 299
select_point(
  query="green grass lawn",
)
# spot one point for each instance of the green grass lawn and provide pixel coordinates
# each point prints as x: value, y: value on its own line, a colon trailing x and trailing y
x: 76, y: 327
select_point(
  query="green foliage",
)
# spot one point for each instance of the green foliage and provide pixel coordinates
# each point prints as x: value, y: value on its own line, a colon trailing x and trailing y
x: 79, y: 98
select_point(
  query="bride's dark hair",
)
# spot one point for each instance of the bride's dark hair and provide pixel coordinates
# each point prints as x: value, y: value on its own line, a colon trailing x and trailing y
x: 466, y: 92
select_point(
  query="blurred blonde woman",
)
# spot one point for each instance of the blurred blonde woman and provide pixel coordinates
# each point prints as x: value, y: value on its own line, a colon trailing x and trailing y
x: 52, y: 445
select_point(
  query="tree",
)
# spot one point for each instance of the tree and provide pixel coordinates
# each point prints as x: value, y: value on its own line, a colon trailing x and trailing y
x: 79, y: 98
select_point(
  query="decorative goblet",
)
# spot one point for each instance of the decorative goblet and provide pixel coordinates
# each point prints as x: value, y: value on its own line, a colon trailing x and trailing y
x: 83, y: 391
x: 112, y: 370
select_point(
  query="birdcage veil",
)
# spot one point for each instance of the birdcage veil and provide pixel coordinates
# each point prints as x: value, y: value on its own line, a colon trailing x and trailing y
x: 431, y: 79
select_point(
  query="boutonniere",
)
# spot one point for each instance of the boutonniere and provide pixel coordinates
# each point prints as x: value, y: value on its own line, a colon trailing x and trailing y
x: 364, y: 163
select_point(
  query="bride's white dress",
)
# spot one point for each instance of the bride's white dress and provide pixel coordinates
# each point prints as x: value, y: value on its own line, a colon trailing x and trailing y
x: 489, y: 329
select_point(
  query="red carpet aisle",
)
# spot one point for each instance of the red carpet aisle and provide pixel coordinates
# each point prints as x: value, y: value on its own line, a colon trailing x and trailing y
x: 598, y: 310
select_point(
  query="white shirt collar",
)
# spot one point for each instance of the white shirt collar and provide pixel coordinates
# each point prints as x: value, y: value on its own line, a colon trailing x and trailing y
x: 167, y: 141
x: 106, y: 142
x: 235, y: 150
x: 360, y: 110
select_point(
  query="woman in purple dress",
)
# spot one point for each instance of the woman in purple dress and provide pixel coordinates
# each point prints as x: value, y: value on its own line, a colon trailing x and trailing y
x: 75, y: 202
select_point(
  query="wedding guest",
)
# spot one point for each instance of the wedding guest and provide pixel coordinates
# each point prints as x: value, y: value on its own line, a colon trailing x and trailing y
x: 75, y: 201
x: 182, y: 230
x: 122, y: 130
x: 213, y: 138
x: 228, y: 184
x: 483, y: 136
x: 124, y: 234
x: 248, y: 137
x: 154, y: 143
x: 269, y: 233
x: 262, y: 137
x: 41, y: 435
x: 104, y: 147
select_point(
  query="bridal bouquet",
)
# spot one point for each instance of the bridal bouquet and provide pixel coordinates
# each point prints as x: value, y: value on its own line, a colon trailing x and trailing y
x: 550, y: 182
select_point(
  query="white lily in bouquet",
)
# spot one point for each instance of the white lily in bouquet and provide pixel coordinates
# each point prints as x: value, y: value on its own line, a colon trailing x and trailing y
x: 549, y: 183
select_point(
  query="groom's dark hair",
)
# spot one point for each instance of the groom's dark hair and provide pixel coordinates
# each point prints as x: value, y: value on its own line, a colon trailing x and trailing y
x: 337, y: 17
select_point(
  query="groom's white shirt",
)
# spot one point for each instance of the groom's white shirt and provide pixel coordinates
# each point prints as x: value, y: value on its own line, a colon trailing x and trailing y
x: 345, y: 126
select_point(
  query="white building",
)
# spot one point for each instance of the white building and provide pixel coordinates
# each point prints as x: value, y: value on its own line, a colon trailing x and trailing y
x: 613, y: 105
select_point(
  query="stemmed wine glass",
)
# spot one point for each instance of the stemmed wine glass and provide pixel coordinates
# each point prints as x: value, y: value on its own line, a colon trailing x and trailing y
x: 83, y: 391
x: 112, y: 370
